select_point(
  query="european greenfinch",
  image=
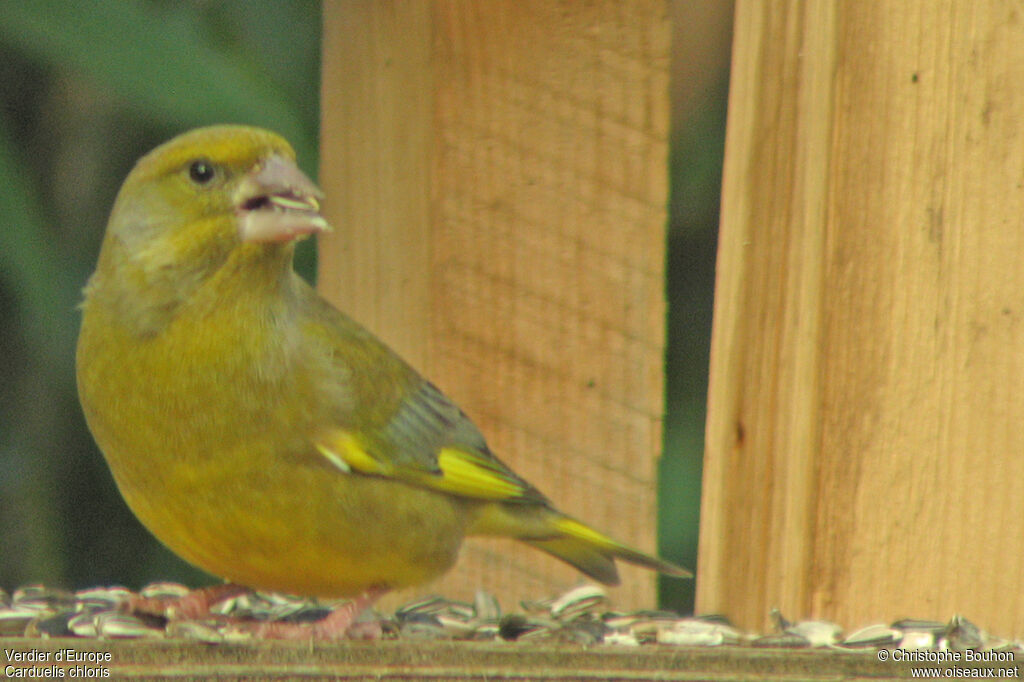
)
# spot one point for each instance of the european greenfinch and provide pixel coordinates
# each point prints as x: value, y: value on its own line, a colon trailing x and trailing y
x: 257, y: 431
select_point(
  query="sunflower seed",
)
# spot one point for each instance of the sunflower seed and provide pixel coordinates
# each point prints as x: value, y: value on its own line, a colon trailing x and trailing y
x: 164, y: 590
x: 621, y: 638
x: 584, y: 631
x: 577, y: 601
x: 962, y: 634
x: 538, y: 634
x: 418, y: 619
x: 14, y: 620
x: 101, y: 598
x: 430, y: 604
x: 459, y: 609
x: 42, y: 598
x: 236, y: 605
x: 271, y: 607
x: 516, y: 626
x: 195, y: 630
x: 620, y: 621
x: 818, y: 633
x: 123, y: 625
x: 696, y: 632
x: 918, y: 639
x: 456, y: 627
x: 83, y: 624
x: 284, y: 603
x: 488, y: 632
x: 537, y: 606
x: 53, y: 626
x: 647, y: 629
x: 424, y: 626
x: 878, y: 636
x: 778, y: 620
x: 485, y: 606
x: 917, y: 624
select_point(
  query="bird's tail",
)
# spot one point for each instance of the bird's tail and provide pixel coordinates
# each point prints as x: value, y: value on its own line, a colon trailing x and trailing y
x: 572, y: 541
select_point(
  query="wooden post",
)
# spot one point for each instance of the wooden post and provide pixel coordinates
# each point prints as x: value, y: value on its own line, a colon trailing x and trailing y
x: 496, y: 174
x: 864, y: 452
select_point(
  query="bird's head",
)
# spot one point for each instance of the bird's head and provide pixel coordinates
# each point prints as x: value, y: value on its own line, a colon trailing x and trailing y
x: 244, y: 178
x: 215, y: 197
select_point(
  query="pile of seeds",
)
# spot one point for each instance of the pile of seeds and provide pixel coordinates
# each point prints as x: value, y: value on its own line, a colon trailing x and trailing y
x: 581, y: 615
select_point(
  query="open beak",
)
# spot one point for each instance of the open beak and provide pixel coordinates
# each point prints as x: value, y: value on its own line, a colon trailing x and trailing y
x: 278, y: 203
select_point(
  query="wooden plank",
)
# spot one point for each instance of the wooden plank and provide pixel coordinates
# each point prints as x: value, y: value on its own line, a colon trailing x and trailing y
x: 377, y: 132
x: 497, y: 174
x: 437, y: 661
x: 863, y: 445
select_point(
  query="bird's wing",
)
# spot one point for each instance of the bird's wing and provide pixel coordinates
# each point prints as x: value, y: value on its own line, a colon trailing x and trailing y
x: 428, y: 441
x: 400, y: 425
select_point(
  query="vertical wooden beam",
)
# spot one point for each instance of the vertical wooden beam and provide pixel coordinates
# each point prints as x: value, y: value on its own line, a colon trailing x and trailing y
x: 497, y: 176
x: 863, y: 452
x: 377, y: 144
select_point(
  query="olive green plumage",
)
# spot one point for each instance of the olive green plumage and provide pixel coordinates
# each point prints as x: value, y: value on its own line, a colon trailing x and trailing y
x: 256, y: 430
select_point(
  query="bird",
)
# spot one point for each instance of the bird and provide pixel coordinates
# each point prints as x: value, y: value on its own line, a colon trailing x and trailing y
x: 257, y: 431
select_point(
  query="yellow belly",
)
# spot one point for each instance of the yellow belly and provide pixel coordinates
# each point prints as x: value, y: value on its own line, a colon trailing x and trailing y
x: 217, y: 460
x: 301, y: 529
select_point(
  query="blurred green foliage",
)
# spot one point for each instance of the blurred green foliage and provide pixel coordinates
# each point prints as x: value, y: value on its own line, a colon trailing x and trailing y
x: 695, y: 181
x: 86, y: 89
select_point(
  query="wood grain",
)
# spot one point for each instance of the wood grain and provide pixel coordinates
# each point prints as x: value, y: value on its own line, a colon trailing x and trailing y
x: 497, y: 173
x: 437, y: 661
x: 863, y: 451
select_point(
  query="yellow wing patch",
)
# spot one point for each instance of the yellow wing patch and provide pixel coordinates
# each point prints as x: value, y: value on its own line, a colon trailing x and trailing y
x: 458, y: 472
x: 470, y: 475
x: 348, y: 454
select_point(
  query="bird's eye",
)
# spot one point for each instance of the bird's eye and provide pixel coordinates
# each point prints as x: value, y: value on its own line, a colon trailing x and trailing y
x: 201, y: 171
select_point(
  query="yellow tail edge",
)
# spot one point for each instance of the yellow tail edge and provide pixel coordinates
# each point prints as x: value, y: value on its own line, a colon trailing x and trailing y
x: 577, y: 536
x: 593, y: 553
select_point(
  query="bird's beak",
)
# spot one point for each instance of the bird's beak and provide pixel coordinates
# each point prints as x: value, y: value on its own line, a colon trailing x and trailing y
x: 278, y: 203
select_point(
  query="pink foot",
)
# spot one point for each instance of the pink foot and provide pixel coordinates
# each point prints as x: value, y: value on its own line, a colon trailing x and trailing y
x: 194, y: 605
x: 339, y: 624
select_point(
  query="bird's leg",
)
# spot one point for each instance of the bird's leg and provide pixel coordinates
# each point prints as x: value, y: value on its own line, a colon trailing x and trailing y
x: 197, y: 604
x: 194, y: 605
x: 339, y: 624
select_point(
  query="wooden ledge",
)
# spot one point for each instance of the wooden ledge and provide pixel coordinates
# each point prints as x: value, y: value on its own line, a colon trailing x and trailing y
x: 445, y: 660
